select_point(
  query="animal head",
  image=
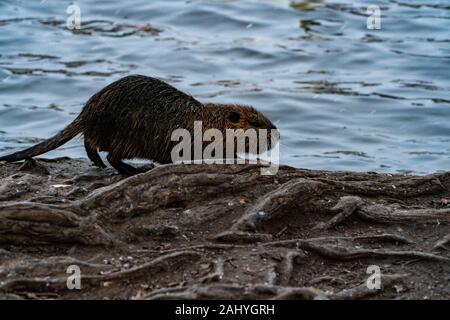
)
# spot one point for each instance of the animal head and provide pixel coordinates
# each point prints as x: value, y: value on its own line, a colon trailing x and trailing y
x: 235, y: 117
x: 246, y: 117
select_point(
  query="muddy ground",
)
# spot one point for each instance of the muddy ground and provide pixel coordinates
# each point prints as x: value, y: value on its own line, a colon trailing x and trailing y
x: 221, y: 231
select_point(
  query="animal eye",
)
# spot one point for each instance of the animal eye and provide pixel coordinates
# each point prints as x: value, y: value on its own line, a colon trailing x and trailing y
x: 234, y: 117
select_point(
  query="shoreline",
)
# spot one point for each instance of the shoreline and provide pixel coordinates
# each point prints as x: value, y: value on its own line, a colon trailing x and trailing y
x: 221, y: 231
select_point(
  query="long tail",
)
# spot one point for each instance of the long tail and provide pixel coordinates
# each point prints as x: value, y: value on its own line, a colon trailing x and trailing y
x: 62, y: 137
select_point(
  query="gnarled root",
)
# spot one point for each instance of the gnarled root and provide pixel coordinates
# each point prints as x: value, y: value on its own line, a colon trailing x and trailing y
x: 24, y: 223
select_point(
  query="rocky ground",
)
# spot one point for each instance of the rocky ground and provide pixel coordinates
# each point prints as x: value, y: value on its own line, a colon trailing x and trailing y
x: 221, y: 231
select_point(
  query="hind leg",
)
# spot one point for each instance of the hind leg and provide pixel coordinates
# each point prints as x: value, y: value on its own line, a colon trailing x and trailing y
x: 122, y: 167
x: 93, y: 155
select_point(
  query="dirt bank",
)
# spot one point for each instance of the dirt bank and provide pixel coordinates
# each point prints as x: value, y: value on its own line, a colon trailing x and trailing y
x: 203, y: 231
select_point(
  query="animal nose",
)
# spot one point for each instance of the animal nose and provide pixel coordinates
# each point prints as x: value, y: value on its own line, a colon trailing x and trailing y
x: 272, y: 126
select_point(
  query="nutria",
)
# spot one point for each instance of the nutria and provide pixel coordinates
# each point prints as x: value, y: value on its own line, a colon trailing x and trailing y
x: 134, y: 117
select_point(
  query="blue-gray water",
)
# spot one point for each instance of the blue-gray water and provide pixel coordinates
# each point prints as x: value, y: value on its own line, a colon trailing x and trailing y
x: 344, y: 97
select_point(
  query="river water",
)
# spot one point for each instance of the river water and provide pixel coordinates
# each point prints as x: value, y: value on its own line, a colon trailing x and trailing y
x: 344, y: 97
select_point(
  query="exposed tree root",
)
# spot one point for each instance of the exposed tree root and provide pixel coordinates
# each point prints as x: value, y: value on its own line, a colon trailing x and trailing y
x: 407, y: 187
x: 286, y: 267
x: 242, y: 237
x: 57, y: 284
x: 57, y: 263
x: 202, y: 291
x: 345, y: 208
x: 164, y: 186
x: 443, y: 243
x: 292, y: 194
x: 349, y: 205
x: 234, y: 233
x: 207, y: 246
x: 390, y: 214
x: 346, y: 253
x: 387, y: 237
x: 23, y: 223
x: 300, y: 294
x: 259, y: 291
x: 217, y: 274
x: 235, y: 291
x: 363, y: 290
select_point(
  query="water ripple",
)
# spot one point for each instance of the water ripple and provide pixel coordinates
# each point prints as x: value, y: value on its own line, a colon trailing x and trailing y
x: 345, y: 97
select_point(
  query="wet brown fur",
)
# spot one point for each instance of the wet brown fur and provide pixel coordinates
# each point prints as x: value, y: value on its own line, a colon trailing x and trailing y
x: 135, y: 116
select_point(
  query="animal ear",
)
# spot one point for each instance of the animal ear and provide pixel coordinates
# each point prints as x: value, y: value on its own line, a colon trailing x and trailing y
x: 234, y: 117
